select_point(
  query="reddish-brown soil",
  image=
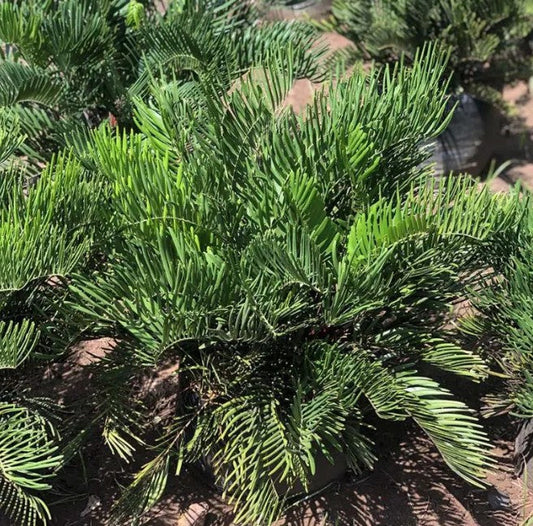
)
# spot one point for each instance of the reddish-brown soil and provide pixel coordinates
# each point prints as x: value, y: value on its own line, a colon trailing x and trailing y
x: 410, y: 484
x: 516, y: 143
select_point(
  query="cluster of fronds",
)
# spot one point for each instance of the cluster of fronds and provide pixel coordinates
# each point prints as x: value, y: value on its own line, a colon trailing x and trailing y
x: 298, y: 272
x: 70, y: 65
x: 487, y: 38
x: 503, y: 321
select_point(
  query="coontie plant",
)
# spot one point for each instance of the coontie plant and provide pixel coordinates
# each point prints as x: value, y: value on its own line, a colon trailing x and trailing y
x: 41, y: 243
x: 503, y: 316
x: 297, y: 271
x: 67, y: 66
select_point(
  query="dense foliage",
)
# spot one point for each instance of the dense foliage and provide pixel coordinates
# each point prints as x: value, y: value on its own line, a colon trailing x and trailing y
x: 487, y: 38
x: 297, y: 273
x: 69, y: 65
x: 503, y: 318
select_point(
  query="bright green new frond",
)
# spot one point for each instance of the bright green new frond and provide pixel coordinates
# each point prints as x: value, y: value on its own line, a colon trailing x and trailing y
x: 50, y: 231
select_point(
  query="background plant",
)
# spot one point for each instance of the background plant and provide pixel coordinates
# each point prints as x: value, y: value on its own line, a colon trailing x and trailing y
x: 487, y: 38
x: 66, y: 66
x: 502, y: 316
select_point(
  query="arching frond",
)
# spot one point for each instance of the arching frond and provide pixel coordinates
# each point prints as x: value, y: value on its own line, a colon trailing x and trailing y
x: 22, y: 83
x: 17, y: 340
x: 28, y: 455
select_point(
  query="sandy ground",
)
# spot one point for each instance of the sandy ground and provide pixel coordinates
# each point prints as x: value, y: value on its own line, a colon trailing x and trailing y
x: 410, y: 485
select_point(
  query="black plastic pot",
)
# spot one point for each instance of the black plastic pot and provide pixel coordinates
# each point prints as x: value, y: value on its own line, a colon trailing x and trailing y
x: 523, y: 452
x: 468, y: 144
x: 325, y: 473
x: 295, y: 9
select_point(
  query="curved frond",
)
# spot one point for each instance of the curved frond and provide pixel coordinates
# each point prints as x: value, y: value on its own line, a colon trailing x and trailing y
x: 451, y: 426
x: 17, y: 340
x: 27, y: 458
x: 23, y: 83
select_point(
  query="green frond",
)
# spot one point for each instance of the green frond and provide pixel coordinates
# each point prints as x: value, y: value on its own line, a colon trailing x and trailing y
x: 78, y: 34
x: 10, y: 136
x: 135, y: 14
x: 17, y: 340
x: 143, y: 493
x: 28, y: 457
x: 23, y: 83
x: 452, y: 358
x: 43, y: 234
x: 20, y: 25
x: 451, y: 426
x: 120, y: 412
x: 484, y: 36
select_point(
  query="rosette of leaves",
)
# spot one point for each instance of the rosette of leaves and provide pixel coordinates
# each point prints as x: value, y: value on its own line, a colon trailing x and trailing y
x: 298, y: 272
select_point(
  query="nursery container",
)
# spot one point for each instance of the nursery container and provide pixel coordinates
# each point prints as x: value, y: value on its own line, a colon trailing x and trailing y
x: 523, y: 452
x: 468, y: 143
x: 298, y: 9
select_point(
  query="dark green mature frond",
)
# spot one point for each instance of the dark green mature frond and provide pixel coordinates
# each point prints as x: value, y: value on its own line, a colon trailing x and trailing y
x: 77, y: 33
x: 10, y: 136
x: 143, y: 493
x: 23, y: 83
x: 119, y: 411
x: 17, y: 340
x: 503, y: 314
x: 198, y: 46
x: 19, y: 26
x: 454, y: 359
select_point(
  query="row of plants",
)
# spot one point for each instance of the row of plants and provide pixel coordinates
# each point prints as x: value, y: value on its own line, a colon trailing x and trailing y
x: 299, y: 272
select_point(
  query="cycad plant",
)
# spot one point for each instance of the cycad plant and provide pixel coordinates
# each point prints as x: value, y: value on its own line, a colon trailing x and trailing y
x: 486, y: 37
x: 42, y: 241
x: 298, y: 272
x: 503, y: 318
